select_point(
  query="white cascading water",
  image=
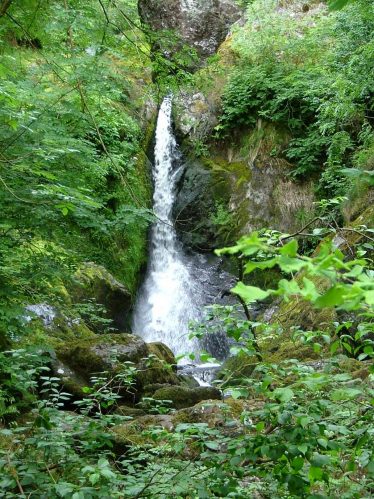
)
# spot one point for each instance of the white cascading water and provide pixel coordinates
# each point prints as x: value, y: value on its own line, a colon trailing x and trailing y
x: 169, y: 298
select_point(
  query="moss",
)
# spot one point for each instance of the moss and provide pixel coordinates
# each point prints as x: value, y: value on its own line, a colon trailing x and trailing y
x: 222, y: 415
x: 60, y: 332
x: 163, y: 352
x: 98, y: 353
x: 127, y: 435
x: 237, y: 366
x: 127, y: 411
x: 146, y: 376
x: 229, y: 183
x: 295, y: 313
x: 135, y: 432
x: 185, y: 397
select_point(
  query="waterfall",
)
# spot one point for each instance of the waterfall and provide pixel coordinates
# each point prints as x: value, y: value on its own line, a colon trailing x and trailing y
x: 170, y: 296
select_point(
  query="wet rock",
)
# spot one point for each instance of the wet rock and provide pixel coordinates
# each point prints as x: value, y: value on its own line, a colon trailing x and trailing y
x: 97, y: 283
x: 185, y: 397
x: 46, y: 313
x: 200, y: 24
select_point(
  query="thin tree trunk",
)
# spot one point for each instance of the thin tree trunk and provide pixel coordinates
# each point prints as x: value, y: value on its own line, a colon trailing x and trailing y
x: 4, y: 7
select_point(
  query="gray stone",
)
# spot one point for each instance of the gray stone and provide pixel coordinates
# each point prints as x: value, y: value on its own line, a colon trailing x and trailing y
x: 199, y: 24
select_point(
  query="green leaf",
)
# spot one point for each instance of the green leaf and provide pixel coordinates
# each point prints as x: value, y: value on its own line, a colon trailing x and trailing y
x: 332, y: 298
x: 250, y: 294
x: 303, y: 448
x: 239, y: 392
x: 345, y: 394
x: 319, y: 460
x: 288, y: 264
x: 290, y: 249
x: 283, y: 394
x: 369, y: 297
x: 297, y: 463
x: 212, y: 445
x: 315, y: 473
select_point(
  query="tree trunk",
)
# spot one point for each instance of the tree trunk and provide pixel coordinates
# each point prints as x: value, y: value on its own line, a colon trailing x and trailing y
x: 4, y: 7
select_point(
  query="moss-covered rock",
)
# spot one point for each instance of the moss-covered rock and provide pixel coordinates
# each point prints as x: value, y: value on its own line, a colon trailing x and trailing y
x: 201, y: 27
x: 80, y: 359
x: 96, y: 283
x: 101, y: 352
x: 134, y: 432
x: 182, y: 396
x: 202, y: 207
x: 299, y: 313
x: 162, y: 351
x: 214, y: 413
x: 243, y: 185
x: 129, y: 411
x: 227, y: 415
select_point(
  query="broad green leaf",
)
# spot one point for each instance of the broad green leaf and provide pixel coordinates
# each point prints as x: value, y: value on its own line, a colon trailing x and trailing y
x: 315, y: 473
x: 332, y: 298
x: 320, y: 459
x: 345, y: 394
x: 212, y: 445
x: 369, y: 297
x: 283, y: 394
x: 250, y: 294
x: 288, y: 264
x: 290, y: 249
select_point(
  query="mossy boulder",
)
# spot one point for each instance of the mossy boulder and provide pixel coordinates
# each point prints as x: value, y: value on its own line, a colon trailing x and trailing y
x: 182, y: 396
x: 134, y: 432
x: 241, y: 186
x: 129, y: 411
x: 216, y: 414
x: 301, y: 313
x: 59, y: 330
x: 79, y: 360
x: 162, y: 351
x: 95, y: 282
x: 101, y: 352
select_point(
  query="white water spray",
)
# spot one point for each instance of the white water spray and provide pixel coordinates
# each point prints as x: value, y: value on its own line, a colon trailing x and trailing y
x: 170, y: 297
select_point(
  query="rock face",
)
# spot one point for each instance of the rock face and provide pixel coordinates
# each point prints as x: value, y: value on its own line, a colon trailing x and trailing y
x: 242, y: 186
x: 200, y: 24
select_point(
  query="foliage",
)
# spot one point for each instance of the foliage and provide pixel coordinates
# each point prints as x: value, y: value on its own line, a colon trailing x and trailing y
x: 71, y: 139
x: 71, y: 148
x: 309, y: 73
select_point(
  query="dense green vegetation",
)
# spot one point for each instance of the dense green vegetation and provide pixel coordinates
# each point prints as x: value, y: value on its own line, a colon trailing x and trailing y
x: 77, y: 117
x: 74, y: 176
x: 312, y: 75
